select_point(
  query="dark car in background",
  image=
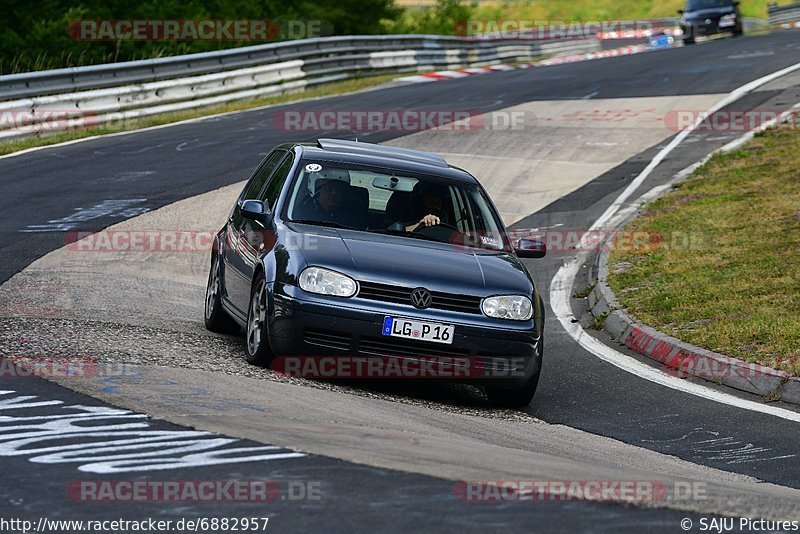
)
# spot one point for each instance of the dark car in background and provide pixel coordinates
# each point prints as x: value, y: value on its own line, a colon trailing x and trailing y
x: 347, y: 248
x: 701, y: 18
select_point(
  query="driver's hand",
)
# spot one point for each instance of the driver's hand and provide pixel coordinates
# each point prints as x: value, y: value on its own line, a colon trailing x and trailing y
x: 429, y: 220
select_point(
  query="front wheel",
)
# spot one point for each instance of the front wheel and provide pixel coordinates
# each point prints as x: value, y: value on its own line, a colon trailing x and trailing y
x: 257, y: 341
x: 215, y: 317
x: 517, y: 397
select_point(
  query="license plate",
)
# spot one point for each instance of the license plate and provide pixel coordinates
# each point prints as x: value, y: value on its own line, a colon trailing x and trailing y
x: 409, y: 329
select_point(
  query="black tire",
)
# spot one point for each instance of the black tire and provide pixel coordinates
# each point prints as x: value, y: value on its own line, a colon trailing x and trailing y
x: 688, y: 41
x: 215, y: 317
x: 519, y: 397
x: 738, y: 32
x: 256, y: 344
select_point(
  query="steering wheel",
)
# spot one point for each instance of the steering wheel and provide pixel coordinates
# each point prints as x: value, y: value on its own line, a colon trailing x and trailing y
x: 441, y: 232
x: 441, y: 223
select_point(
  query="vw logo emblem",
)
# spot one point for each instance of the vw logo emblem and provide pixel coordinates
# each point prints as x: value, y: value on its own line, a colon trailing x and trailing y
x: 421, y: 298
x: 708, y: 21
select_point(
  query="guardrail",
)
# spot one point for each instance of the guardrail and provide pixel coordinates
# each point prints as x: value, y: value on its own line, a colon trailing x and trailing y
x: 787, y: 16
x: 753, y: 24
x: 34, y: 103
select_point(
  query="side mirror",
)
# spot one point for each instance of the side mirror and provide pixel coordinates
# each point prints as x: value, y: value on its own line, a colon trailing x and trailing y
x: 530, y: 248
x: 255, y: 210
x: 681, y: 12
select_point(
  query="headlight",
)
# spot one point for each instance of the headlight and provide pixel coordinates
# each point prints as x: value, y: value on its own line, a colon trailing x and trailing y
x: 514, y: 307
x: 728, y: 20
x: 327, y: 282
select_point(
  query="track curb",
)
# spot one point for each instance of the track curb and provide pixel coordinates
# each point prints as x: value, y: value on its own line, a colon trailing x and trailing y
x: 681, y: 359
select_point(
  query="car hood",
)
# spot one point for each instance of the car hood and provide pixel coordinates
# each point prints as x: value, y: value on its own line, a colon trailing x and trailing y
x: 703, y: 14
x: 410, y: 262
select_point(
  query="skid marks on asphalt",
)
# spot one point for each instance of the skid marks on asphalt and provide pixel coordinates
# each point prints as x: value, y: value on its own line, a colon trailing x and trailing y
x: 713, y: 445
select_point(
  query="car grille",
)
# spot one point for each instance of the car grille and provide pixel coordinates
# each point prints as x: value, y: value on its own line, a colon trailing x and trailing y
x: 398, y: 347
x: 323, y: 338
x: 401, y: 348
x: 402, y: 295
x: 498, y: 363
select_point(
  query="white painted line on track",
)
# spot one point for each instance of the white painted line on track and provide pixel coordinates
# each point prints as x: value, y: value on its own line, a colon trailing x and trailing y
x: 562, y: 283
x: 731, y: 98
x: 300, y: 99
x: 418, y: 78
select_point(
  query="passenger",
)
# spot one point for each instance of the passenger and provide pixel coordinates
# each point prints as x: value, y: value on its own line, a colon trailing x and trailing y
x: 426, y: 207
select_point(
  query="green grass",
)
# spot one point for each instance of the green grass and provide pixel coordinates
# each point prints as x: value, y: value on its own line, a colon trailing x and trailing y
x: 590, y: 10
x: 458, y: 16
x: 598, y: 321
x: 583, y: 293
x: 336, y: 88
x: 727, y: 273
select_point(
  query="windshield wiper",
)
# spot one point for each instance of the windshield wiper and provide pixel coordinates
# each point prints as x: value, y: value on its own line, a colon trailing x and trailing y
x: 330, y: 224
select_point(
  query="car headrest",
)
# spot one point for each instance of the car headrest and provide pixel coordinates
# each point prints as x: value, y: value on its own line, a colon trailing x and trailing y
x: 325, y: 176
x: 359, y: 198
x: 397, y: 203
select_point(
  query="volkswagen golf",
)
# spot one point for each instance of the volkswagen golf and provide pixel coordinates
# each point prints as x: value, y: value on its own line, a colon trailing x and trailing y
x: 343, y: 248
x: 702, y: 18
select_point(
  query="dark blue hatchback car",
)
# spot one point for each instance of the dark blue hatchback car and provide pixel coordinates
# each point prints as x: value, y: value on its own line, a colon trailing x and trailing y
x: 344, y: 248
x: 701, y: 18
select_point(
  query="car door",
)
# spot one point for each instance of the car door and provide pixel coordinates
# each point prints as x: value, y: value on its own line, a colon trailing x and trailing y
x: 237, y: 280
x: 256, y: 238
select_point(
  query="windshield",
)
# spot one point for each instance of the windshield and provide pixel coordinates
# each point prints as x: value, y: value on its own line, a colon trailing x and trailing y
x: 399, y: 203
x: 697, y: 5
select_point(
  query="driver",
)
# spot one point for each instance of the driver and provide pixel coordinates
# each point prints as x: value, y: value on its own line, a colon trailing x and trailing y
x: 329, y: 202
x: 426, y: 207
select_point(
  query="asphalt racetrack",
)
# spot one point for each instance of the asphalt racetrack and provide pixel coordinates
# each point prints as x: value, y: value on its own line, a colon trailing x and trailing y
x: 382, y: 456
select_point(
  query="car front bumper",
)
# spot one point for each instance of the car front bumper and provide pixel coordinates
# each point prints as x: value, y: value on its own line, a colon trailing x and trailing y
x: 701, y: 28
x: 497, y: 353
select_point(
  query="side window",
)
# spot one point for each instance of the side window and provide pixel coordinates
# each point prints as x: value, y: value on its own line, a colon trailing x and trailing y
x: 273, y: 190
x: 262, y: 174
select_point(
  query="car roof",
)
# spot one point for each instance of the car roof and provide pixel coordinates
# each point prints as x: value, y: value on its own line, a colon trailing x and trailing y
x: 384, y: 156
x: 728, y: 3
